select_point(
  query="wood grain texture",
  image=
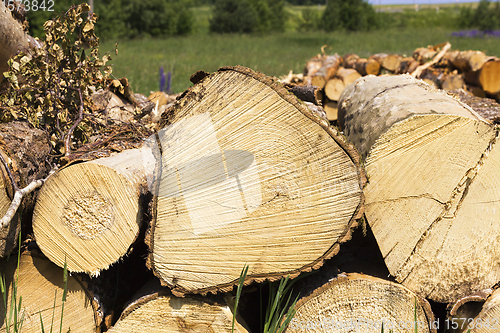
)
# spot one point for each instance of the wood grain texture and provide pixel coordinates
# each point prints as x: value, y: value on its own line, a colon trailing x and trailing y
x: 361, y: 303
x: 433, y: 191
x: 40, y: 283
x: 249, y: 176
x: 89, y: 214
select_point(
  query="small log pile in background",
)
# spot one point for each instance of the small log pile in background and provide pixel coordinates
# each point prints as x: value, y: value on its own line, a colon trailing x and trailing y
x: 473, y: 72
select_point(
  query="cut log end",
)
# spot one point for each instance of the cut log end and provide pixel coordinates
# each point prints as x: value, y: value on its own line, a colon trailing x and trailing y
x: 361, y: 303
x: 250, y: 178
x: 163, y: 312
x: 87, y: 215
x: 430, y: 162
x: 40, y: 284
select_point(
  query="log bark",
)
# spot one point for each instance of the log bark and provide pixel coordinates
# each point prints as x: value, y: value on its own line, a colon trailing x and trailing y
x: 428, y: 158
x: 361, y: 303
x: 486, y: 107
x: 424, y: 54
x: 155, y: 309
x: 41, y: 285
x: 88, y: 214
x: 350, y: 60
x: 237, y: 186
x: 313, y: 65
x: 26, y: 150
x: 12, y: 38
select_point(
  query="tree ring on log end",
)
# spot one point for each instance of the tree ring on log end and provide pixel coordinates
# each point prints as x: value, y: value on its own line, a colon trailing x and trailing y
x: 88, y: 215
x: 248, y: 176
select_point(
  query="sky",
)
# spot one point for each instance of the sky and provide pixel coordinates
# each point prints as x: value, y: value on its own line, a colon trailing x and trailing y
x: 421, y: 2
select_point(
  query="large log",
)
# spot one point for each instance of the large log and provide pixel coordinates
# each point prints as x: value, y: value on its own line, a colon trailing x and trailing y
x: 25, y: 149
x: 40, y: 284
x: 362, y: 303
x: 155, y: 309
x: 249, y: 176
x: 88, y: 214
x: 433, y: 195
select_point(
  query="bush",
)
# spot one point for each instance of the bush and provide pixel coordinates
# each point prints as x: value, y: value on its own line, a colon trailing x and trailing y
x: 484, y: 17
x: 350, y: 15
x: 245, y: 16
x: 309, y: 20
x: 233, y: 16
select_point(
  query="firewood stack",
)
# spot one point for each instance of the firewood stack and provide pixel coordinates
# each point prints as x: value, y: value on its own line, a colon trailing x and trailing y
x: 471, y: 71
x: 238, y: 171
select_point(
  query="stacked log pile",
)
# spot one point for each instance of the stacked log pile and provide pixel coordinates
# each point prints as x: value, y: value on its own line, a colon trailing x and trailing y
x: 471, y: 71
x: 238, y: 171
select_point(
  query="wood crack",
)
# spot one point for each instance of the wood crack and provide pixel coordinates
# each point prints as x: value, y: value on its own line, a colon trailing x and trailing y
x: 452, y: 206
x: 424, y: 195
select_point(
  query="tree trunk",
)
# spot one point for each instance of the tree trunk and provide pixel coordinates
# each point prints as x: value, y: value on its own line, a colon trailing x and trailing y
x: 433, y: 196
x: 362, y: 303
x: 90, y: 213
x: 249, y: 176
x: 26, y: 150
x: 41, y: 286
x: 12, y: 38
x: 155, y: 309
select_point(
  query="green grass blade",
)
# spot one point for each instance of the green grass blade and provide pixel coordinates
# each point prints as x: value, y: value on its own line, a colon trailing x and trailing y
x: 65, y: 280
x: 289, y: 315
x: 238, y: 293
x: 41, y: 322
x: 53, y: 311
x: 415, y: 316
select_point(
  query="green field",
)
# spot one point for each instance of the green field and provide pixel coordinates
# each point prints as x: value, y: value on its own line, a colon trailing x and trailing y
x: 275, y: 54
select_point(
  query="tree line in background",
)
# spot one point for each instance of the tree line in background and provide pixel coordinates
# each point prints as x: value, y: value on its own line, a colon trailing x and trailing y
x: 133, y: 18
x: 127, y: 18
